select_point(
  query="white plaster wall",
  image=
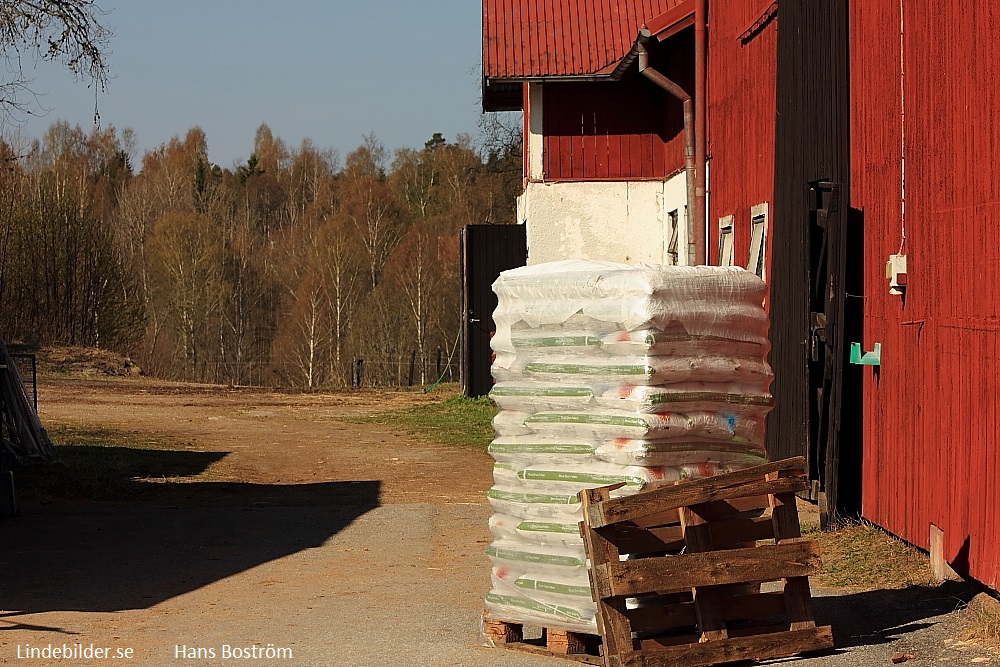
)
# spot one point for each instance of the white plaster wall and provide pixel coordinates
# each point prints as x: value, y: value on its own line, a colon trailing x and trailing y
x: 620, y: 221
x: 535, y: 139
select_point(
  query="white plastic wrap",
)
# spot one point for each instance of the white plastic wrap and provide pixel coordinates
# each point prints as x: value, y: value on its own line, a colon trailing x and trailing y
x: 502, y: 604
x: 605, y: 370
x: 563, y: 594
x: 654, y: 342
x: 516, y: 448
x: 533, y: 502
x: 556, y: 477
x: 611, y: 424
x: 702, y: 301
x: 551, y: 533
x: 534, y: 506
x: 607, y: 373
x: 557, y: 561
x: 511, y: 422
x: 630, y: 452
x: 726, y: 398
x: 533, y: 396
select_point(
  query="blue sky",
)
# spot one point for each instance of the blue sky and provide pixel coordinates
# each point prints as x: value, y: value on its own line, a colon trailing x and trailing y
x: 330, y: 70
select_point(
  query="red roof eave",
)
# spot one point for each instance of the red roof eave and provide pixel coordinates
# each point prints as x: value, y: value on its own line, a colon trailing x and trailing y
x: 543, y: 39
x: 672, y: 21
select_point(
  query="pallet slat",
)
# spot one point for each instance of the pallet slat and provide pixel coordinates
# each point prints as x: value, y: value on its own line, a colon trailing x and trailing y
x: 733, y: 566
x: 691, y: 492
x: 612, y: 620
x: 691, y: 496
x: 758, y: 647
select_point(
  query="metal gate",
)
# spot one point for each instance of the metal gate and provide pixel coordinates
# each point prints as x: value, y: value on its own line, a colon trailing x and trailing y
x: 486, y: 251
x: 826, y: 337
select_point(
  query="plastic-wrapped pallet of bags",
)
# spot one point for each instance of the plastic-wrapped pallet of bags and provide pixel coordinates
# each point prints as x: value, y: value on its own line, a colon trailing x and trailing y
x: 610, y: 373
x: 581, y: 294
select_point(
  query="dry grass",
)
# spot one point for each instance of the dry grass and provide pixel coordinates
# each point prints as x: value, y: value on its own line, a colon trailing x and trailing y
x: 982, y: 622
x: 861, y: 555
x: 456, y: 420
x: 81, y: 361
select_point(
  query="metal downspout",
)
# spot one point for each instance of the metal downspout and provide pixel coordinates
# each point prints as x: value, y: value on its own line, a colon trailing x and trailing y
x: 701, y: 128
x: 689, y: 139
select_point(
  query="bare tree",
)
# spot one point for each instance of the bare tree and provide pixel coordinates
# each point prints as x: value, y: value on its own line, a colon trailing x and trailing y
x: 368, y: 202
x: 64, y: 31
x: 185, y: 252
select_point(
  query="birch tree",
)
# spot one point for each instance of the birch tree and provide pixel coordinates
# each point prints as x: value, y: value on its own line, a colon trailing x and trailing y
x: 368, y: 203
x: 415, y: 273
x: 186, y: 250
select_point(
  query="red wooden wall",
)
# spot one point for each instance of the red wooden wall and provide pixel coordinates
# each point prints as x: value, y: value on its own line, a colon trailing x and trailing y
x: 604, y: 131
x: 741, y: 114
x: 931, y: 410
x: 618, y: 130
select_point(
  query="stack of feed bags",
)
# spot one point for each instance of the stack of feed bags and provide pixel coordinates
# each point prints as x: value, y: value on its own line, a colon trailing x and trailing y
x: 610, y: 373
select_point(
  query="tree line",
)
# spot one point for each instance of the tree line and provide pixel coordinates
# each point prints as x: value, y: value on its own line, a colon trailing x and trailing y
x: 282, y: 271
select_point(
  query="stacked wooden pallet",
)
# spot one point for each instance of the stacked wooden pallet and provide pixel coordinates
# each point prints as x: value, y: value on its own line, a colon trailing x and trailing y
x: 689, y: 592
x: 577, y: 646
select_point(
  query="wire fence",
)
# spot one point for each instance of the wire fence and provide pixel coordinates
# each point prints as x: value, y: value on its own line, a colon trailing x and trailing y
x: 401, y: 370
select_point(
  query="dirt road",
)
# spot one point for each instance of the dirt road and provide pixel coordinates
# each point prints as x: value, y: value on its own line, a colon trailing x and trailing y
x: 277, y: 439
x: 290, y: 529
x: 347, y: 544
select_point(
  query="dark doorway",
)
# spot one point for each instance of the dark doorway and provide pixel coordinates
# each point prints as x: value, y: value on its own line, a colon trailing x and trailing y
x: 486, y: 251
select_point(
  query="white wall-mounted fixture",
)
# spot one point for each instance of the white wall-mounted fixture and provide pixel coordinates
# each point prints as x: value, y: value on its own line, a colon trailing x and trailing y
x: 895, y: 272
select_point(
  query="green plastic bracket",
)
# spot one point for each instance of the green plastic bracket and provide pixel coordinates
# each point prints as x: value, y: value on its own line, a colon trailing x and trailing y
x: 873, y: 358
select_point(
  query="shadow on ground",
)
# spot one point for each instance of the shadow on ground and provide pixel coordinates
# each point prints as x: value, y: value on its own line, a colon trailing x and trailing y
x: 173, y: 537
x: 881, y: 616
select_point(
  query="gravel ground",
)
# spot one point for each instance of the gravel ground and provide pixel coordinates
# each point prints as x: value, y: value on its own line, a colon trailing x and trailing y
x: 382, y: 588
x: 396, y: 585
x: 349, y: 545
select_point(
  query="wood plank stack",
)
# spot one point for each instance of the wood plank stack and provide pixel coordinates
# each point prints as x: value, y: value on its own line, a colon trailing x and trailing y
x: 22, y: 437
x: 689, y: 592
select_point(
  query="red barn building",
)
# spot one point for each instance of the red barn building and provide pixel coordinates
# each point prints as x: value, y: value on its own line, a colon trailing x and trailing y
x: 604, y: 147
x: 836, y: 135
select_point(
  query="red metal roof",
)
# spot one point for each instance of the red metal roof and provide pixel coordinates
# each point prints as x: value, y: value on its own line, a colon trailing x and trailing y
x: 525, y: 39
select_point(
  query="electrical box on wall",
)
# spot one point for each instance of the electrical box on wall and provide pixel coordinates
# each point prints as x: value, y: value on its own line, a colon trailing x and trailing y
x: 895, y: 272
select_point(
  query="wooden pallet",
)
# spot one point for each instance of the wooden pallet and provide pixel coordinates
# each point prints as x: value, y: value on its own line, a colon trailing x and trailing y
x: 554, y: 642
x: 696, y: 569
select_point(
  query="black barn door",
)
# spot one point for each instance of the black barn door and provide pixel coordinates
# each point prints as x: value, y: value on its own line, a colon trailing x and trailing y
x: 808, y: 281
x: 486, y: 251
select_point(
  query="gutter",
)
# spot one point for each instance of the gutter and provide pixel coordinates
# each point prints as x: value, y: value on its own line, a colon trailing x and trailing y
x: 701, y: 127
x: 639, y: 52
